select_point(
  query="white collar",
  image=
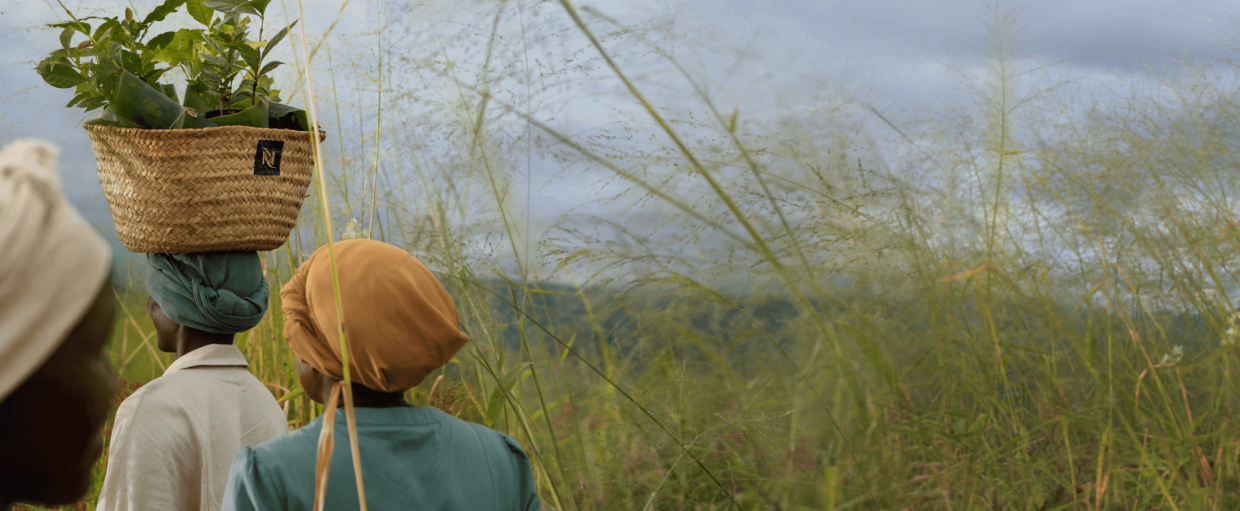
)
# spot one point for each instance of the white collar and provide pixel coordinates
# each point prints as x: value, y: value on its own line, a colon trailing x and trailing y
x: 210, y: 355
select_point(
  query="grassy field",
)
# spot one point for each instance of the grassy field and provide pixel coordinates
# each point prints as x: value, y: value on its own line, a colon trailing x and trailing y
x: 1027, y: 306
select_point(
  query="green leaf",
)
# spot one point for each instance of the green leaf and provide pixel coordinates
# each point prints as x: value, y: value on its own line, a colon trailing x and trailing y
x: 99, y: 50
x: 66, y: 37
x: 107, y: 26
x: 499, y: 396
x: 275, y: 39
x: 169, y: 90
x: 116, y: 51
x: 150, y: 108
x: 114, y: 124
x: 233, y: 7
x: 107, y: 83
x: 104, y: 69
x: 211, y: 77
x: 179, y: 49
x: 259, y: 5
x: 59, y: 74
x: 80, y: 26
x: 154, y: 76
x: 109, y: 118
x: 78, y: 99
x: 161, y: 40
x: 161, y: 12
x: 226, y: 31
x: 249, y: 55
x: 269, y: 67
x: 285, y: 117
x: 215, y: 61
x: 132, y: 63
x: 200, y: 12
x: 254, y: 117
x: 195, y: 97
x: 92, y: 103
x: 215, y: 46
x: 242, y: 100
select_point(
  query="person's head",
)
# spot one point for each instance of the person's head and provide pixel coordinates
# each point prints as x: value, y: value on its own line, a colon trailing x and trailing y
x: 173, y: 337
x: 56, y: 315
x: 50, y: 426
x: 399, y: 321
x: 204, y: 298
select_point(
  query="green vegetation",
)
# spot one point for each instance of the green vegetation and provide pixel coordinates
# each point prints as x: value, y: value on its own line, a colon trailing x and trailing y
x: 227, y: 75
x: 1029, y: 309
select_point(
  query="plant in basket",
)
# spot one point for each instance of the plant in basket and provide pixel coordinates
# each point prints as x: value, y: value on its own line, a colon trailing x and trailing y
x: 223, y: 165
x: 119, y: 70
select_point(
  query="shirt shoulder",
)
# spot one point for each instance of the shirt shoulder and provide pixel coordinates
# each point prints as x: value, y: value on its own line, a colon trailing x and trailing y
x: 514, y: 447
x: 250, y: 486
x: 490, y: 438
x: 199, y: 387
x: 159, y: 396
x: 292, y: 449
x: 276, y: 474
x: 519, y: 476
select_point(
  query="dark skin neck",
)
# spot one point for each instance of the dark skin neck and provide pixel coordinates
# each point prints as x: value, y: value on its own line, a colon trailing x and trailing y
x: 318, y: 387
x: 188, y: 339
x: 173, y: 337
x: 364, y: 397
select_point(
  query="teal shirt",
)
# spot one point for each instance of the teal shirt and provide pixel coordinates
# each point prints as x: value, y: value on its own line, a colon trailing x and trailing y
x: 412, y: 458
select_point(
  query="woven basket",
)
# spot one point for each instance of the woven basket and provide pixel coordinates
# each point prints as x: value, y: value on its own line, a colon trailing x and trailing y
x: 203, y: 190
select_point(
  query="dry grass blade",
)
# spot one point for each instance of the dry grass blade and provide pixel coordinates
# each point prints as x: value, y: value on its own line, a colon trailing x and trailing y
x: 347, y: 383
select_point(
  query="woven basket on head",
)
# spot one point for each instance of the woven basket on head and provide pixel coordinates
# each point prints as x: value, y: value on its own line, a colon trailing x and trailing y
x: 203, y: 190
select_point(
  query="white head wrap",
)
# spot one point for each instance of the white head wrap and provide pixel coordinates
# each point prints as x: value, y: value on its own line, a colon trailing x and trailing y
x: 52, y: 262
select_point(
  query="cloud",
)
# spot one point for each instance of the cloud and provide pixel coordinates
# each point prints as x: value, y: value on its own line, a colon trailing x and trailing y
x: 901, y: 51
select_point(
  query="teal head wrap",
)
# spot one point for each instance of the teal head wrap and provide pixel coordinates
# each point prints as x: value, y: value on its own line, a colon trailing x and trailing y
x: 216, y: 292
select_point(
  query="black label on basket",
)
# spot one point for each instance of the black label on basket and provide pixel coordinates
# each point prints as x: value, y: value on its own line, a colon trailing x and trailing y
x: 267, y: 157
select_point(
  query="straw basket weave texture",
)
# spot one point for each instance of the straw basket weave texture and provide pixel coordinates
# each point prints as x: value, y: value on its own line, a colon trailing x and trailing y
x: 203, y: 190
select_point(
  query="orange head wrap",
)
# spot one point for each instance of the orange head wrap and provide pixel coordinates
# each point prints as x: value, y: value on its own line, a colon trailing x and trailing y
x: 400, y: 322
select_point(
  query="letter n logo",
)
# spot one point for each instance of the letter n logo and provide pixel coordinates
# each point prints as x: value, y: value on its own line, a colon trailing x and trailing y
x: 267, y: 157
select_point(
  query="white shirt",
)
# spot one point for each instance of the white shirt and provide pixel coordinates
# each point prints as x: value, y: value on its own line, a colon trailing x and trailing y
x: 174, y: 439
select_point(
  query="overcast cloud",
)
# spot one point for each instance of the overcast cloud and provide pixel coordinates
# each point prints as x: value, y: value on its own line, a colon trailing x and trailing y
x: 900, y: 53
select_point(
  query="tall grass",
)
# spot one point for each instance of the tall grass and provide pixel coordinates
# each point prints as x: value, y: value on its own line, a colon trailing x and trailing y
x: 1025, y: 303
